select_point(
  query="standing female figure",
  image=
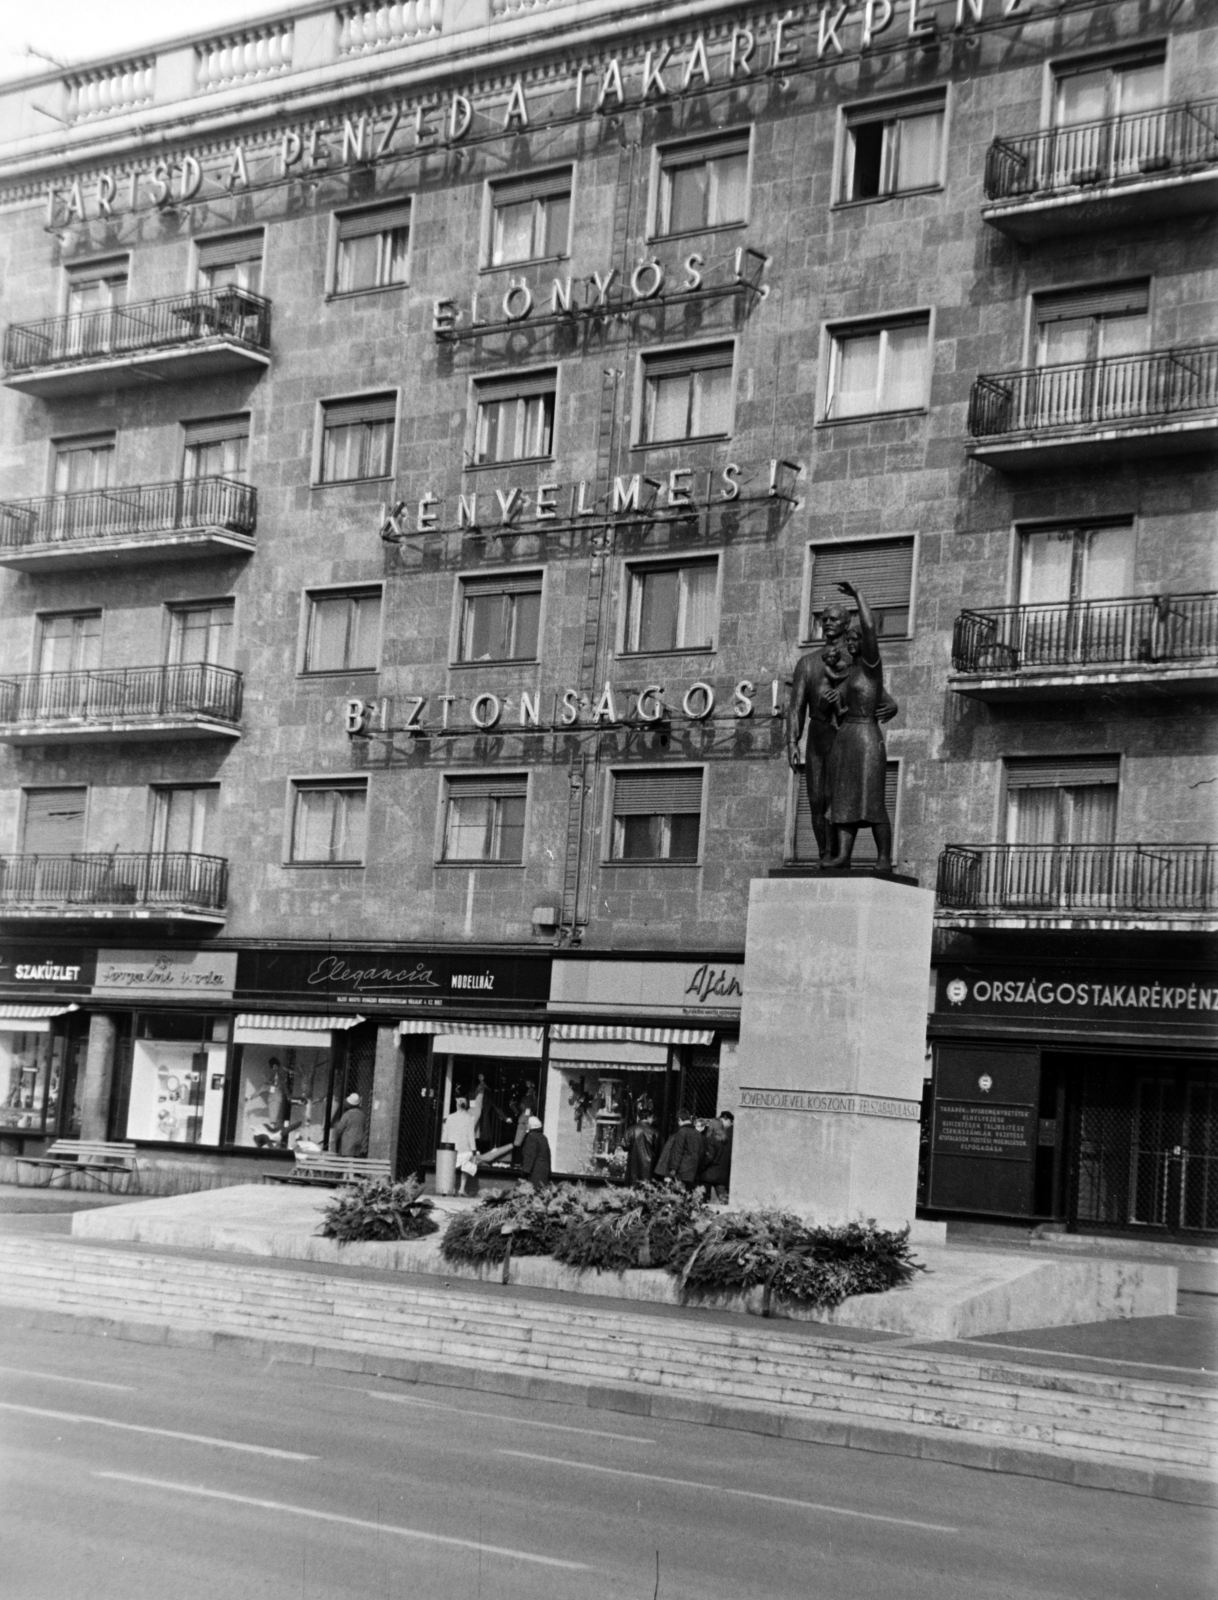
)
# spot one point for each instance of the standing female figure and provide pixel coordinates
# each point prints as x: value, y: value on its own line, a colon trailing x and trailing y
x: 857, y: 761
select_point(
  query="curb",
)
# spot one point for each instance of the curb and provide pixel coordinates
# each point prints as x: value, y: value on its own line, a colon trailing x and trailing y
x: 878, y: 1437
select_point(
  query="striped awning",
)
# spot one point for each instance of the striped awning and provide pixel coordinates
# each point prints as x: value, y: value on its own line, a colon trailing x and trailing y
x: 33, y: 1013
x: 267, y: 1022
x: 471, y: 1030
x: 618, y: 1031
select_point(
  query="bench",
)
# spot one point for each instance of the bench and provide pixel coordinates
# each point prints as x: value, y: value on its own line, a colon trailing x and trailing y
x: 332, y: 1171
x: 92, y: 1158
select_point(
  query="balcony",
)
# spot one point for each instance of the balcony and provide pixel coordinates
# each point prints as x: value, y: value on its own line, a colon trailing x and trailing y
x: 1143, y: 645
x: 169, y: 886
x: 104, y: 706
x: 128, y: 526
x: 1163, y: 402
x: 173, y: 340
x: 1109, y: 174
x: 1160, y: 886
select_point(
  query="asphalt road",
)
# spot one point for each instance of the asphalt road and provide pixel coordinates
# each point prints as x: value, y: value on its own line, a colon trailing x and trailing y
x: 141, y: 1472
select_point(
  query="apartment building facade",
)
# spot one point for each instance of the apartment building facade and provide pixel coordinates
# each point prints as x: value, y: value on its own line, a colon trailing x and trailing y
x: 432, y: 434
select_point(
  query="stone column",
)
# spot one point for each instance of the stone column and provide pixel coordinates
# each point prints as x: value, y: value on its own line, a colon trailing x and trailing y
x: 99, y: 1077
x: 832, y: 1048
x: 385, y: 1111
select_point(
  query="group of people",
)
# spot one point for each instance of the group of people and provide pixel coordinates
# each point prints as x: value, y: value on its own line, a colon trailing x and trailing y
x: 529, y: 1147
x: 697, y: 1155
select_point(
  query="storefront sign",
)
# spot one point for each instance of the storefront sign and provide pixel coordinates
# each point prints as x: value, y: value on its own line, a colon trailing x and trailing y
x: 828, y: 1100
x: 166, y: 974
x: 440, y: 980
x: 28, y: 970
x: 1004, y: 1133
x: 711, y: 989
x: 1065, y: 993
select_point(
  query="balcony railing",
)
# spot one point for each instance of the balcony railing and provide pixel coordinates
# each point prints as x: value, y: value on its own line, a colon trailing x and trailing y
x: 227, y: 314
x: 128, y: 512
x: 1112, y: 879
x: 121, y: 878
x: 1150, y: 144
x: 1158, y: 386
x: 165, y: 693
x: 1146, y: 630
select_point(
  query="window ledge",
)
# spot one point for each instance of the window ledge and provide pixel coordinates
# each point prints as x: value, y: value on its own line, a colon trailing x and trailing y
x: 696, y: 233
x: 685, y: 866
x: 355, y: 294
x: 677, y: 444
x: 504, y: 466
x: 872, y: 416
x: 347, y: 483
x: 667, y: 655
x: 883, y: 199
x: 883, y: 638
x: 530, y: 261
x: 498, y: 661
x: 466, y: 865
x: 329, y: 674
x: 314, y: 866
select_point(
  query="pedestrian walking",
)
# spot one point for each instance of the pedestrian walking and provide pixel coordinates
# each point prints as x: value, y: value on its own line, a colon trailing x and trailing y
x: 642, y: 1141
x: 535, y: 1155
x: 684, y: 1152
x: 716, y: 1171
x: 349, y: 1135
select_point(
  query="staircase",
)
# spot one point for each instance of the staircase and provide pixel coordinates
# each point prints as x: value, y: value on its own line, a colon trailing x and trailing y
x: 1137, y: 1435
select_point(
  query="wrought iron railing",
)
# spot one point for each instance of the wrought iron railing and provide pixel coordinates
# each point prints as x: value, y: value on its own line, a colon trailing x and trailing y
x: 118, y: 878
x: 193, y: 318
x: 1153, y: 387
x: 127, y: 511
x: 1147, y: 144
x: 188, y: 689
x: 1119, y: 879
x: 1157, y: 629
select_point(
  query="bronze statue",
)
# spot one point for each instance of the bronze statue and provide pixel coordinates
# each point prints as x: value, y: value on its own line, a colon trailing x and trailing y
x: 839, y: 691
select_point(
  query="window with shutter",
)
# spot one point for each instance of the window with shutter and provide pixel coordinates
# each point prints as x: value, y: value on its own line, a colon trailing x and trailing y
x: 1091, y: 323
x: 531, y: 218
x: 804, y: 846
x: 484, y: 818
x: 343, y: 630
x: 54, y: 821
x: 216, y: 447
x: 1056, y: 800
x: 687, y: 394
x: 881, y: 570
x: 500, y: 617
x: 657, y: 815
x: 234, y: 260
x: 893, y: 151
x: 514, y: 420
x: 357, y: 438
x: 671, y: 606
x: 373, y: 249
x: 704, y: 185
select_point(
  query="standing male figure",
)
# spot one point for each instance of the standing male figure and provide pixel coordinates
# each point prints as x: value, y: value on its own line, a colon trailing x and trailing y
x: 814, y: 700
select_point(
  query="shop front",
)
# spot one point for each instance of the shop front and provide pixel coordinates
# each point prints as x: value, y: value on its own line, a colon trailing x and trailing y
x: 1080, y: 1092
x: 43, y: 1032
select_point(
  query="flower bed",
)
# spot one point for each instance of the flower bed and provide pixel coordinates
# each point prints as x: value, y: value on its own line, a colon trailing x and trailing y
x: 378, y: 1208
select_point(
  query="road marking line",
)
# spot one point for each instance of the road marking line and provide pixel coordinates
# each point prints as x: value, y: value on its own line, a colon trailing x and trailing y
x: 163, y: 1433
x: 58, y: 1377
x: 744, y: 1494
x: 498, y: 1416
x: 349, y: 1522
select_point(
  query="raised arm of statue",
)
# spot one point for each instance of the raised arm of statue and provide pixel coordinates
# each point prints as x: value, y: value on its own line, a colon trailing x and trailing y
x: 869, y: 644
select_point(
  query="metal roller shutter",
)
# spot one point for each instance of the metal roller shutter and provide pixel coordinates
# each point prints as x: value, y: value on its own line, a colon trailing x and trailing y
x: 697, y: 359
x: 882, y: 570
x: 54, y: 821
x: 478, y: 788
x: 537, y: 186
x: 505, y: 583
x: 528, y: 383
x: 232, y: 248
x: 1109, y: 300
x: 382, y: 219
x: 216, y: 430
x: 371, y: 408
x: 1062, y: 772
x: 657, y: 793
x: 733, y: 144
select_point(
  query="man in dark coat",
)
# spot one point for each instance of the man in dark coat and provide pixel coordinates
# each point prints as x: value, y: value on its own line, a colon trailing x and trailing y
x: 642, y: 1142
x: 717, y: 1173
x: 685, y: 1156
x: 349, y: 1135
x: 535, y: 1155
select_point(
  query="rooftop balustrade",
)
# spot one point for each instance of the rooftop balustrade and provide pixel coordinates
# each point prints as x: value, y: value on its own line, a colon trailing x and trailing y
x: 182, y: 336
x: 147, y: 886
x: 1157, y: 402
x: 128, y: 523
x: 187, y: 700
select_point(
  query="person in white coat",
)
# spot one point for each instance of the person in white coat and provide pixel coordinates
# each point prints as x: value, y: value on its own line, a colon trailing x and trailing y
x: 461, y: 1130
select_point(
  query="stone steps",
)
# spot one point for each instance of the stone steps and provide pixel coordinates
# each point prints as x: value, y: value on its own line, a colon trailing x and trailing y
x: 1069, y: 1415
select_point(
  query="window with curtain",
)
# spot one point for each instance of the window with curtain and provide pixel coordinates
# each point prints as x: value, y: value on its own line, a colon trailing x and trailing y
x: 878, y: 367
x: 671, y: 606
x: 201, y: 633
x: 1072, y: 563
x: 1093, y: 323
x: 704, y: 185
x: 880, y: 569
x: 657, y: 815
x: 343, y: 631
x: 373, y: 248
x: 70, y: 642
x: 687, y: 394
x: 1090, y: 92
x: 531, y: 218
x: 99, y: 286
x: 83, y: 464
x: 514, y: 420
x: 184, y: 819
x: 1058, y: 801
x: 233, y: 261
x: 329, y: 822
x: 357, y: 438
x: 484, y: 818
x: 500, y: 617
x: 893, y: 151
x: 216, y: 448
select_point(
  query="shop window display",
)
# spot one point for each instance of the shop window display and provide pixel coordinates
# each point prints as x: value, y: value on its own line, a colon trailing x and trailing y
x: 178, y: 1073
x: 31, y: 1065
x: 282, y: 1092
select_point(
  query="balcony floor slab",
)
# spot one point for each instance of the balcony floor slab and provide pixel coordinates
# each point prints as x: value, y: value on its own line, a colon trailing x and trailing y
x: 1096, y: 446
x: 169, y: 364
x: 153, y: 730
x: 1079, y: 921
x: 1134, y: 682
x: 59, y: 914
x: 1117, y: 205
x: 185, y: 544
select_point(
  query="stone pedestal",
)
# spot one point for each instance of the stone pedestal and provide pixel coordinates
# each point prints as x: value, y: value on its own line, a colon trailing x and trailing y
x: 832, y: 1048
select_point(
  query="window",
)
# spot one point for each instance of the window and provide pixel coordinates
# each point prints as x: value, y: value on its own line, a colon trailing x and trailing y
x: 687, y: 394
x: 1062, y: 800
x: 657, y: 815
x: 515, y: 418
x: 1087, y: 92
x: 216, y: 448
x: 97, y: 286
x: 84, y: 464
x: 892, y: 151
x: 531, y: 218
x: 704, y: 185
x: 500, y: 618
x: 484, y: 819
x: 671, y: 606
x: 70, y: 642
x: 804, y: 845
x: 1074, y: 564
x: 373, y: 249
x: 54, y: 822
x: 184, y: 819
x: 178, y: 1075
x: 880, y: 569
x: 234, y: 261
x: 357, y: 438
x: 328, y: 822
x: 1089, y: 324
x: 201, y: 633
x: 343, y: 631
x: 878, y: 368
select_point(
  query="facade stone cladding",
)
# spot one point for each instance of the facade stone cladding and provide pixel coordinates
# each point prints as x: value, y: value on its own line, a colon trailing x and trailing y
x: 900, y: 474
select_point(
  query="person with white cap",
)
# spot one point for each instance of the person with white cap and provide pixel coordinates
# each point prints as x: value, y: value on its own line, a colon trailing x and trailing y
x: 535, y: 1155
x: 349, y: 1135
